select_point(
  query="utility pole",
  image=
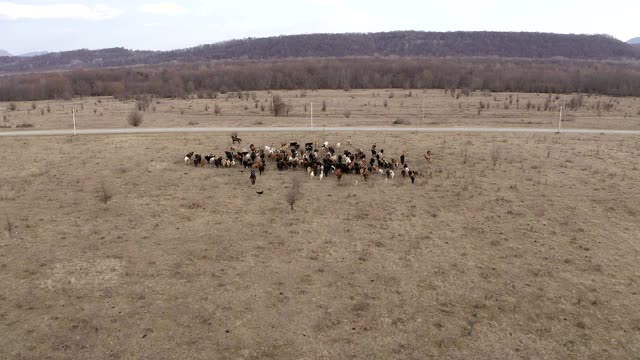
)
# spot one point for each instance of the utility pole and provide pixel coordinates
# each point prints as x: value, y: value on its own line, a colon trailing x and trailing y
x: 73, y: 113
x: 560, y: 120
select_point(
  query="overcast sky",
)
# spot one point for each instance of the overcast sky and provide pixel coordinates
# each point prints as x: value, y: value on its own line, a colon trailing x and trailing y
x: 52, y: 25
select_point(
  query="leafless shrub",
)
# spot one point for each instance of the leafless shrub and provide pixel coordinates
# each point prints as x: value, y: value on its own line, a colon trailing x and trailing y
x: 8, y: 227
x: 399, y: 121
x: 13, y: 106
x: 465, y: 155
x: 24, y: 125
x: 576, y: 102
x: 143, y: 102
x: 182, y: 111
x: 347, y: 114
x: 324, y: 106
x: 495, y: 155
x: 104, y: 195
x: 194, y: 205
x: 294, y: 191
x: 34, y: 105
x: 217, y: 109
x: 134, y: 118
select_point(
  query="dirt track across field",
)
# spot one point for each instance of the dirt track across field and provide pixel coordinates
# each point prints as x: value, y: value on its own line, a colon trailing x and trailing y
x: 309, y: 129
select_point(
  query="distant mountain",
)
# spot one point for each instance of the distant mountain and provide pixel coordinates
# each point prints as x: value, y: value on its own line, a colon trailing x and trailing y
x: 4, y: 53
x: 398, y: 43
x: 634, y: 41
x: 35, y: 53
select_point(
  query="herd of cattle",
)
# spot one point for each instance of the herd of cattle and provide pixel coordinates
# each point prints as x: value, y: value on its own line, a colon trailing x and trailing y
x: 318, y: 159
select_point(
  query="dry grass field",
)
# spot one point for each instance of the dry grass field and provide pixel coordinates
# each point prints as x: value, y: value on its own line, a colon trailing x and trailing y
x: 430, y: 108
x: 507, y: 247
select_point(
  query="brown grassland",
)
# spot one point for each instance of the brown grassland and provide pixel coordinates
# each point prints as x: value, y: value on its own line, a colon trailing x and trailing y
x: 430, y: 108
x: 508, y: 246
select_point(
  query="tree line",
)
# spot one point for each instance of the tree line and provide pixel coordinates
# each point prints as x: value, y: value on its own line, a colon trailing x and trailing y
x: 207, y: 80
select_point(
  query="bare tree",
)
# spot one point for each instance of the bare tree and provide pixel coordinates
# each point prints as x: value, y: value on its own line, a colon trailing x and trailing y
x: 279, y: 106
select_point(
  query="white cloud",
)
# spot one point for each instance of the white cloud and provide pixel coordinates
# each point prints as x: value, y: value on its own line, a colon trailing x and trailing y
x: 13, y: 11
x: 164, y: 8
x: 326, y: 2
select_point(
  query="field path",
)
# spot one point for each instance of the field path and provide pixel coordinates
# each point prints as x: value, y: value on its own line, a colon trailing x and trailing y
x: 306, y: 129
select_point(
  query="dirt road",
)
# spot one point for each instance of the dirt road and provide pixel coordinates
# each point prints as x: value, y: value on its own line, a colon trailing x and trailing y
x: 304, y: 129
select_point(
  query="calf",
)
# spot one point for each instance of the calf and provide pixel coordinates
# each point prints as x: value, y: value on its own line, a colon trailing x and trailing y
x: 390, y: 174
x: 209, y: 158
x: 187, y: 158
x: 365, y: 174
x: 427, y: 156
x: 197, y: 160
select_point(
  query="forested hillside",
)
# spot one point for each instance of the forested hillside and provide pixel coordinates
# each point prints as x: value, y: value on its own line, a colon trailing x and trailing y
x: 400, y: 43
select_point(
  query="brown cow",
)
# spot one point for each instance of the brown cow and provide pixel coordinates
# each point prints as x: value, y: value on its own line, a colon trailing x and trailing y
x: 365, y: 174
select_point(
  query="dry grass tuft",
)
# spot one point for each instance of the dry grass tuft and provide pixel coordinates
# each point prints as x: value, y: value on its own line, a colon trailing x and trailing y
x: 399, y: 121
x: 495, y: 155
x: 104, y: 195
